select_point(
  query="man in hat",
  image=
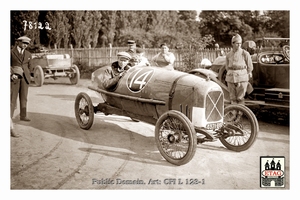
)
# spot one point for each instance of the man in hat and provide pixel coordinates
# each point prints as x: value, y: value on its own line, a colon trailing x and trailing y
x: 20, y: 76
x: 239, y: 69
x: 131, y: 47
x: 117, y: 69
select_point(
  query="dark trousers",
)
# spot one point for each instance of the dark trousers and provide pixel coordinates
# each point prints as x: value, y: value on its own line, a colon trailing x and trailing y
x: 19, y: 88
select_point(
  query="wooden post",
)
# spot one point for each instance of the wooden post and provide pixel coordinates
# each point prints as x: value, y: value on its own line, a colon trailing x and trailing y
x: 110, y: 52
x: 55, y: 47
x: 72, y: 54
x: 89, y: 55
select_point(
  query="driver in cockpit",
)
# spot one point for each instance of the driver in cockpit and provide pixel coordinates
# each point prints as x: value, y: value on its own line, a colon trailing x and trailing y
x: 113, y: 74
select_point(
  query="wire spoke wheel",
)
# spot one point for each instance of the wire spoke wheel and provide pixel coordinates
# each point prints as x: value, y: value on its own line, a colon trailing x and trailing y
x: 84, y: 111
x: 175, y: 137
x: 241, y: 128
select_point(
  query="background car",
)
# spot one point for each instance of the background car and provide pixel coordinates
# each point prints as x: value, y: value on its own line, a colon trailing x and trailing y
x: 49, y: 65
x: 271, y: 71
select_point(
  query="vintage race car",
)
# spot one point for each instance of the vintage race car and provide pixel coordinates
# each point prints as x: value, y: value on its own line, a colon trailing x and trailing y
x: 271, y: 74
x: 47, y: 65
x: 186, y: 110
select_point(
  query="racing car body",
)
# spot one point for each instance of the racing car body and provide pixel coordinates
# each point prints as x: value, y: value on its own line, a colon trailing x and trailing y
x: 153, y: 91
x: 186, y: 110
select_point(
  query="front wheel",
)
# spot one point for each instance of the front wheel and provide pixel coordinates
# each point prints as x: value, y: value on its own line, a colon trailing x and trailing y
x: 175, y: 137
x: 240, y: 128
x: 84, y: 111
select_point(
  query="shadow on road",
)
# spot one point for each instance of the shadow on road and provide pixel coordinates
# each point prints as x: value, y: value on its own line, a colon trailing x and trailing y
x: 106, y: 138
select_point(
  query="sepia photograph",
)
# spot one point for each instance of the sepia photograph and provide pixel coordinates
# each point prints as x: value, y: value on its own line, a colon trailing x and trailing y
x: 188, y: 100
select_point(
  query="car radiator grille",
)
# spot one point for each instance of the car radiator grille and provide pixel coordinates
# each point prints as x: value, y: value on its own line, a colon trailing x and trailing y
x: 214, y: 109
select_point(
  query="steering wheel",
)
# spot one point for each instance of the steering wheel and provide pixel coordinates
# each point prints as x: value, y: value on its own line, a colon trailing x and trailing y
x: 286, y: 52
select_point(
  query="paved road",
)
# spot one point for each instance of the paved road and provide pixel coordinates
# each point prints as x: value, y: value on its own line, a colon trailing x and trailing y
x: 117, y: 153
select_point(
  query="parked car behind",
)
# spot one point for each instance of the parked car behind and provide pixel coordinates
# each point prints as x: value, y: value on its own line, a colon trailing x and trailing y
x: 271, y: 72
x: 46, y: 65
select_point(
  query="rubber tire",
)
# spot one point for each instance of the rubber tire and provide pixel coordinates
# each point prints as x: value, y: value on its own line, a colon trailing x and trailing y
x: 90, y: 110
x: 75, y: 79
x: 222, y: 75
x: 254, y: 127
x: 190, y: 131
x: 39, y: 77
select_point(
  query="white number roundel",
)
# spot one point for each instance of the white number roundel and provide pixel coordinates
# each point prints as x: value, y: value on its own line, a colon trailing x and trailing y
x: 139, y: 78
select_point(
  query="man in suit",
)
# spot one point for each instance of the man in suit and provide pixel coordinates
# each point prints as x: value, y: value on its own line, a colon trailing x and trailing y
x: 21, y: 60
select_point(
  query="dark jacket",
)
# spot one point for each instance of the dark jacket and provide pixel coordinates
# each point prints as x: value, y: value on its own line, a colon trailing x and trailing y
x: 111, y: 76
x: 23, y: 61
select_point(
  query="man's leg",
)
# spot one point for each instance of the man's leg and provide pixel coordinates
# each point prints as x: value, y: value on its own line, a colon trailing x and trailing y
x: 23, y: 100
x: 14, y: 92
x: 241, y: 92
x: 12, y: 130
x: 232, y: 92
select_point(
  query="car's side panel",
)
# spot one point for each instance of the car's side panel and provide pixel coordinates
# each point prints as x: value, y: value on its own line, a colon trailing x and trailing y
x: 270, y: 75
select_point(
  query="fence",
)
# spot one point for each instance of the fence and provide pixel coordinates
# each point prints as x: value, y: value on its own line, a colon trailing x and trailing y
x: 100, y: 56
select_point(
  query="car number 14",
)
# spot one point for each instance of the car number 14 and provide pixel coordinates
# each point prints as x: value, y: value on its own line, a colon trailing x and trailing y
x: 138, y: 79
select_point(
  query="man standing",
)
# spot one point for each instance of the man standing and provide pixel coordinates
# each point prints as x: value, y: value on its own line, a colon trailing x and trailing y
x: 19, y: 85
x: 239, y: 69
x: 132, y: 51
x: 131, y: 47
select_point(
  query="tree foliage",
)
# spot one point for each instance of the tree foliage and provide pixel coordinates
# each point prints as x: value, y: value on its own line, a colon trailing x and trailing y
x: 91, y: 28
x: 249, y: 24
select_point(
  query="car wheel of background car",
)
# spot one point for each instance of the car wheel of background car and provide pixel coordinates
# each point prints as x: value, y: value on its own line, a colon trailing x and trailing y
x: 222, y: 75
x: 84, y: 111
x: 286, y: 52
x: 39, y: 75
x: 241, y: 128
x: 76, y: 76
x: 175, y: 137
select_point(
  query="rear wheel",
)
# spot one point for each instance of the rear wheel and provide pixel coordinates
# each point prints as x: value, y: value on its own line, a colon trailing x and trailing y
x: 84, y: 111
x: 175, y: 137
x: 75, y: 77
x: 39, y: 76
x: 241, y: 128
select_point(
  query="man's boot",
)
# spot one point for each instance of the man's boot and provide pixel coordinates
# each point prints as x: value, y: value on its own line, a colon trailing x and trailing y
x: 23, y: 114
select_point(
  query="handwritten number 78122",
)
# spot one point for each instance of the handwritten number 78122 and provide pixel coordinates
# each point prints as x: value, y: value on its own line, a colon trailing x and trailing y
x: 35, y: 25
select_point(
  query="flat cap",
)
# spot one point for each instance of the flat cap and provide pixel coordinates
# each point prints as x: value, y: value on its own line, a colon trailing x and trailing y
x: 24, y: 39
x: 124, y: 54
x: 236, y: 38
x: 132, y: 42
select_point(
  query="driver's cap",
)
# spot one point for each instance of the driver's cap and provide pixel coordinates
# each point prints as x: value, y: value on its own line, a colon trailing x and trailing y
x: 124, y: 54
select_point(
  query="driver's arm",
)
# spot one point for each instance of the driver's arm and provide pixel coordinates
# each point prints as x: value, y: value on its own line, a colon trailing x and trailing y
x: 109, y: 79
